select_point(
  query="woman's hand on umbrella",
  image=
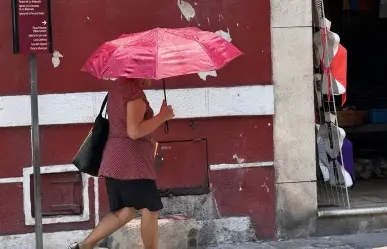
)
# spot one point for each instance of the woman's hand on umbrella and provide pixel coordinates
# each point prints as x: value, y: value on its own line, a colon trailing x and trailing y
x: 166, y: 112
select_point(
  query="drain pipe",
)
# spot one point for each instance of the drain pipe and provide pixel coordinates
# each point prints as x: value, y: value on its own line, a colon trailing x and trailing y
x: 326, y: 213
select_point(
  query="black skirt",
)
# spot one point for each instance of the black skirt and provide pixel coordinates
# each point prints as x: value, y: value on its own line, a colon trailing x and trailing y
x: 136, y: 194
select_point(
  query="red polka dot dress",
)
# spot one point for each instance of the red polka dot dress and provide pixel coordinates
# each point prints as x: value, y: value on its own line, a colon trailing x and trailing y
x: 127, y: 164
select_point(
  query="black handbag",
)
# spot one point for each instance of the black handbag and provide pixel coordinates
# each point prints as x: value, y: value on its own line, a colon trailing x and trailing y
x: 89, y: 157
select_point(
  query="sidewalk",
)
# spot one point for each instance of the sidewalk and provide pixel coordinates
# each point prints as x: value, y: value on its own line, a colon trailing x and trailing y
x: 358, y: 241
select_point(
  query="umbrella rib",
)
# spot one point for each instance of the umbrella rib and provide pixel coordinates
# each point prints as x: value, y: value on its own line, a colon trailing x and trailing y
x: 108, y: 62
x: 105, y: 68
x: 107, y: 65
x: 205, y: 50
x: 157, y: 56
x: 207, y: 54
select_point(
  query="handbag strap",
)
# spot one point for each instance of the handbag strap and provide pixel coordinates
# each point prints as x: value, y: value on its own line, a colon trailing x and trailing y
x: 103, y: 105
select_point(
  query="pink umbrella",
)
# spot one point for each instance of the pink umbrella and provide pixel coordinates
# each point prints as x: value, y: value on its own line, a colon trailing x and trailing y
x: 161, y: 53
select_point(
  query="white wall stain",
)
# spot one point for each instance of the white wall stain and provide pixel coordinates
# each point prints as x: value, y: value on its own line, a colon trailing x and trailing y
x: 238, y: 159
x: 56, y: 59
x: 186, y: 9
x: 208, y: 20
x: 203, y: 75
x: 225, y: 35
x: 264, y: 186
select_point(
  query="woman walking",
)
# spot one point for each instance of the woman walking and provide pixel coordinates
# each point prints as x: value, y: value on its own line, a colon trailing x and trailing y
x: 128, y: 163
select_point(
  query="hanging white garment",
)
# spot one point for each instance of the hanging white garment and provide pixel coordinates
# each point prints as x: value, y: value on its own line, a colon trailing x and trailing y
x: 324, y: 148
x: 331, y: 51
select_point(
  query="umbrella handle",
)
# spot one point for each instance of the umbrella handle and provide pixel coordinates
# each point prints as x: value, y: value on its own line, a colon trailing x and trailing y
x: 166, y: 126
x: 165, y: 92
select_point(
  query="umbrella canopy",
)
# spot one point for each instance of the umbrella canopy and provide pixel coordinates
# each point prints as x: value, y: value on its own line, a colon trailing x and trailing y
x: 161, y: 53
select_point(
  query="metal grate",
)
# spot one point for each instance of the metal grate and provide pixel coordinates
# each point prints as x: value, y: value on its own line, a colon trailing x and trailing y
x: 332, y: 190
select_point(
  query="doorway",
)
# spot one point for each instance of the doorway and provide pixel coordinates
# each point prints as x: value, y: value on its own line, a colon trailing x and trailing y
x: 353, y: 136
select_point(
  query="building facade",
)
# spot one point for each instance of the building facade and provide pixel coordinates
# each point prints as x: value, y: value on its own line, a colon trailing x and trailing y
x: 254, y: 118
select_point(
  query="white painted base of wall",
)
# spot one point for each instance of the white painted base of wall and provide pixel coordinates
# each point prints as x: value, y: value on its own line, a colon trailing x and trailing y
x: 224, y: 230
x: 50, y: 240
x: 185, y: 233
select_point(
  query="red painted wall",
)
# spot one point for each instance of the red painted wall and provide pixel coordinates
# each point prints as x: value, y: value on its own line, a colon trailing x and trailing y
x: 247, y: 192
x: 12, y: 215
x: 251, y: 138
x: 79, y: 26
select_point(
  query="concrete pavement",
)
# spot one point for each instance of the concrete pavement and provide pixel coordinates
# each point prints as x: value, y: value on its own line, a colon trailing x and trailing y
x: 358, y: 241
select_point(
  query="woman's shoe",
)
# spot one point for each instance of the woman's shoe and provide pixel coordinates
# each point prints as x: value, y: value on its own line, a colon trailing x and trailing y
x: 74, y: 246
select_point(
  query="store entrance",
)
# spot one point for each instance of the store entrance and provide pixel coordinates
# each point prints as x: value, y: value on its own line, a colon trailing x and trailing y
x: 362, y: 182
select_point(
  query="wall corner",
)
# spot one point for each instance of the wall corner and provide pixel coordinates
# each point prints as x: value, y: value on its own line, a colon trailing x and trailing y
x: 294, y: 132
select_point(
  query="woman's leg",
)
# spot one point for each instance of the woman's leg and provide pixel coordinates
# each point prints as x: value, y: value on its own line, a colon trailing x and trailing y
x: 108, y: 225
x: 150, y: 229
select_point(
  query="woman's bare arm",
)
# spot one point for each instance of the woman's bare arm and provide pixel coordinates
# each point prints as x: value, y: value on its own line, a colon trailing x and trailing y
x: 136, y: 126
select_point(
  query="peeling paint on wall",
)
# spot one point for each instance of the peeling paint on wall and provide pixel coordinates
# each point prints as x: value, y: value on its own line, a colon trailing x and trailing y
x: 238, y: 159
x: 56, y: 59
x: 203, y: 75
x: 224, y: 35
x: 186, y: 9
